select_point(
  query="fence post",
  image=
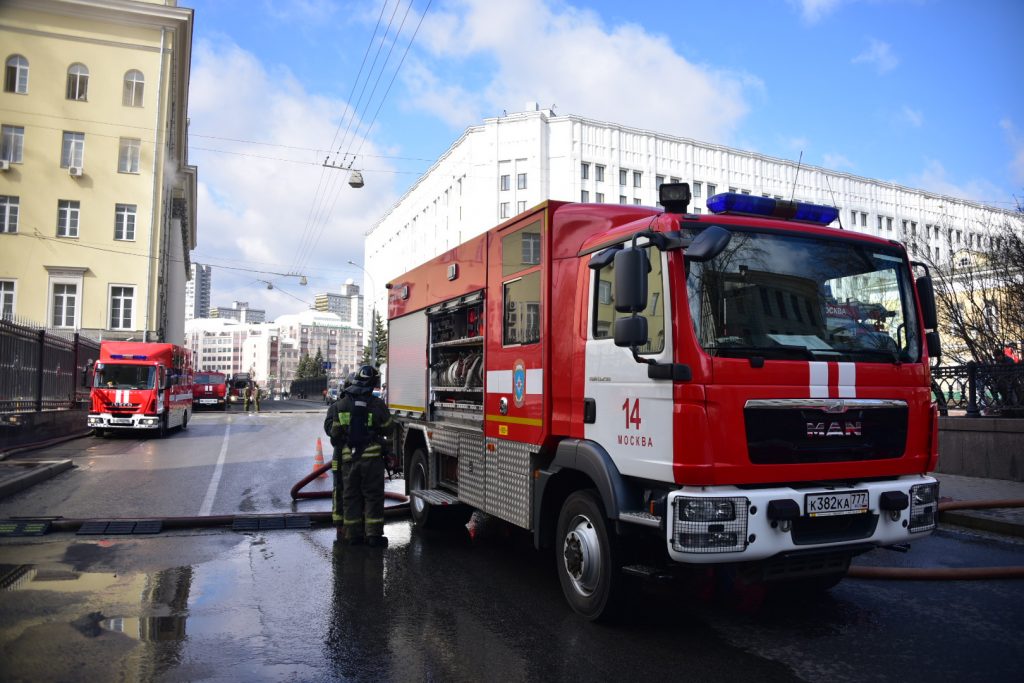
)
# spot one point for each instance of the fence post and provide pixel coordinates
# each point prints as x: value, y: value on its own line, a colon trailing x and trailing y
x: 972, y: 390
x: 39, y: 371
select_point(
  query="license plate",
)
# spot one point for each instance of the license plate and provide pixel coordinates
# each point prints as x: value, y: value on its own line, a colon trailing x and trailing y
x: 207, y: 400
x: 120, y: 421
x: 836, y: 503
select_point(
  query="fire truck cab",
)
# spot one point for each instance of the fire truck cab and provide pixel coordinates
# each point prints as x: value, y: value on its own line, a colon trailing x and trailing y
x: 652, y: 390
x: 140, y: 385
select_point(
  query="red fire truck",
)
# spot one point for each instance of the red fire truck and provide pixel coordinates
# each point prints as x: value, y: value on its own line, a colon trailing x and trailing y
x: 651, y: 392
x: 210, y: 388
x: 140, y: 385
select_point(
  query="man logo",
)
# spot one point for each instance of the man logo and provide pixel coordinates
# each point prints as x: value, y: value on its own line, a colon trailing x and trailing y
x: 816, y: 429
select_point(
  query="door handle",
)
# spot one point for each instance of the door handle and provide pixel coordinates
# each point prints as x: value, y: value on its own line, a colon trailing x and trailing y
x: 589, y: 411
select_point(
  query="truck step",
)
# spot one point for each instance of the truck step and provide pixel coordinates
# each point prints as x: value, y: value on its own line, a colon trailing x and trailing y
x: 435, y: 497
x: 642, y: 571
x: 641, y: 518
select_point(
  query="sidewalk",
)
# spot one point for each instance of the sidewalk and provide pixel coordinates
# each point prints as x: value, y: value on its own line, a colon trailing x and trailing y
x: 1009, y: 521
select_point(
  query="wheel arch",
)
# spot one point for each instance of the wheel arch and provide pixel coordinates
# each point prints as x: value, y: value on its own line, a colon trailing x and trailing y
x: 577, y: 464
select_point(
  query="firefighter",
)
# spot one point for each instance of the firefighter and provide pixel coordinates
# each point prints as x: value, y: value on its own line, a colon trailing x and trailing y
x: 246, y: 397
x: 256, y: 396
x: 357, y: 423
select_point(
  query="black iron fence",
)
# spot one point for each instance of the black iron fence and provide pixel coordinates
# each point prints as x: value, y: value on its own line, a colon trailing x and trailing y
x: 980, y: 389
x: 41, y: 369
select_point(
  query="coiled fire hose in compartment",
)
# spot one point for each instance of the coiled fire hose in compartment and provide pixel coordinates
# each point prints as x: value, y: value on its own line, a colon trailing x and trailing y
x: 947, y: 573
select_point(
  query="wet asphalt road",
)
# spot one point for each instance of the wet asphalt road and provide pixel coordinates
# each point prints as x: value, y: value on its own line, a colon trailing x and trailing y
x: 289, y: 605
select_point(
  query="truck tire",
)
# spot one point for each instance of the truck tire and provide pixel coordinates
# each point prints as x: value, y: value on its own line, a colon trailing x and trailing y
x: 184, y: 421
x: 587, y: 558
x: 423, y: 513
x: 162, y: 430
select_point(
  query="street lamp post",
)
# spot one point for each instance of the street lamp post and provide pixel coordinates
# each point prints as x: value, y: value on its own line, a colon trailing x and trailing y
x: 373, y: 312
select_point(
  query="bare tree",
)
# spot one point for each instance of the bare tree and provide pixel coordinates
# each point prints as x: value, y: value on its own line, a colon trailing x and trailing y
x: 979, y: 286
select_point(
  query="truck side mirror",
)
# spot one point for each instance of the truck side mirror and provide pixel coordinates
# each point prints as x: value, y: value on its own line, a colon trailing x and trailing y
x: 631, y: 331
x: 926, y: 293
x: 934, y: 344
x: 708, y: 244
x: 631, y: 269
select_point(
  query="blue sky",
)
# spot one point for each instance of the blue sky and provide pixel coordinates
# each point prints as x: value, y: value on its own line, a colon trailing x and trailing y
x: 924, y: 93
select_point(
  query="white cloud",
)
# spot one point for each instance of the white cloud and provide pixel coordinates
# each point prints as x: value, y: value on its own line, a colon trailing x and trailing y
x: 935, y: 179
x: 811, y: 11
x: 532, y: 50
x: 879, y: 55
x: 1016, y: 150
x: 255, y: 203
x: 836, y: 162
x: 912, y: 116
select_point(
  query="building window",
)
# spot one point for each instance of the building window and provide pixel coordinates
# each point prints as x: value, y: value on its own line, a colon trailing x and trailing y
x: 78, y: 82
x: 599, y: 197
x: 503, y: 210
x: 623, y: 174
x: 584, y: 171
x: 12, y: 143
x: 121, y: 307
x: 879, y: 224
x: 636, y: 178
x: 504, y: 183
x: 72, y: 150
x: 864, y: 220
x: 599, y: 173
x: 853, y: 218
x: 128, y: 156
x: 659, y: 180
x: 16, y: 75
x: 134, y: 83
x: 711, y: 189
x: 6, y: 299
x: 8, y: 213
x: 531, y: 248
x: 622, y: 199
x: 64, y: 301
x: 67, y: 218
x: 124, y: 222
x: 521, y: 181
x: 697, y: 185
x: 696, y: 211
x: 674, y: 180
x: 520, y: 207
x: 584, y: 196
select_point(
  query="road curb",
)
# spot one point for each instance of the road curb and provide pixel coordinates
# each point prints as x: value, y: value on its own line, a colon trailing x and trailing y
x: 19, y: 475
x: 982, y: 523
x: 42, y: 444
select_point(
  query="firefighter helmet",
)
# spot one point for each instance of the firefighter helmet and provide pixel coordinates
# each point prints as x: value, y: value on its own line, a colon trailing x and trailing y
x: 367, y: 376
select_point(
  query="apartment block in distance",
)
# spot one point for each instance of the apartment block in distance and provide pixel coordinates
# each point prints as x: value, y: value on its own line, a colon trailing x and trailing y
x: 97, y: 198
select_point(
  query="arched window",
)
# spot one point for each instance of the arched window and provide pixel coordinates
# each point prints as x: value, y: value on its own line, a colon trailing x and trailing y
x: 134, y: 82
x: 16, y: 75
x: 78, y: 82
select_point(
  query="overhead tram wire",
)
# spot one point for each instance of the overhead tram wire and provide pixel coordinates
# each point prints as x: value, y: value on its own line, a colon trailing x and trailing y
x: 306, y: 240
x: 379, y: 105
x: 347, y: 112
x: 335, y: 183
x: 386, y: 93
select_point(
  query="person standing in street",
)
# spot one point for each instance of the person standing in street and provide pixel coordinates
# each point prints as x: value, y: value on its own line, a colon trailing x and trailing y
x: 357, y: 423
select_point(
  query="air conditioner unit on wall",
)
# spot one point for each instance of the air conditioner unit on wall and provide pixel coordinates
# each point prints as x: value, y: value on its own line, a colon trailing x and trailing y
x: 4, y: 165
x: 75, y: 171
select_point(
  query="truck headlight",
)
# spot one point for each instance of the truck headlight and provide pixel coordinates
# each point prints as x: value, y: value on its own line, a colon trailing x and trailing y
x: 923, y: 507
x: 706, y: 510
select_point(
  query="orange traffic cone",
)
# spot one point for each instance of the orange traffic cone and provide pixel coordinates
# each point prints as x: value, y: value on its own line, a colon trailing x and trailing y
x: 318, y: 461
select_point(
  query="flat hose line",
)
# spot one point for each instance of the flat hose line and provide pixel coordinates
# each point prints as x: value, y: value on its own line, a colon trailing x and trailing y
x: 947, y: 573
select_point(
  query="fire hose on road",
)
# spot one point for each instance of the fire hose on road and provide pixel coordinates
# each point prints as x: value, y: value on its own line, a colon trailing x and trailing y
x: 947, y: 573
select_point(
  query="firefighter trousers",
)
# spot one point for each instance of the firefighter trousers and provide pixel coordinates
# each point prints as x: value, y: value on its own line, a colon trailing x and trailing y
x: 363, y: 496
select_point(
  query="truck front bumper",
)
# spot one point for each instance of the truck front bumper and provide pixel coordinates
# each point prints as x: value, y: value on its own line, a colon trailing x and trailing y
x: 108, y: 421
x: 720, y: 524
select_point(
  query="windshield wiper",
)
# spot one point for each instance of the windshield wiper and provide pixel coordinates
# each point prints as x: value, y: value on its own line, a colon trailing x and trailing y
x: 790, y: 349
x: 888, y: 355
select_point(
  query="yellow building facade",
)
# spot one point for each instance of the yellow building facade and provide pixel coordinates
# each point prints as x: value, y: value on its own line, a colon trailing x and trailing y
x: 97, y: 199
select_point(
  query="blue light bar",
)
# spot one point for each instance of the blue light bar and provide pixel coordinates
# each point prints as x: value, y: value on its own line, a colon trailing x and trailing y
x: 128, y: 356
x: 732, y: 202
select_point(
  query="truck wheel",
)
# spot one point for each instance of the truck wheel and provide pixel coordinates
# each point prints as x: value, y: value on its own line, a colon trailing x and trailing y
x: 162, y: 432
x: 184, y: 421
x: 423, y: 513
x: 587, y: 558
x: 97, y: 431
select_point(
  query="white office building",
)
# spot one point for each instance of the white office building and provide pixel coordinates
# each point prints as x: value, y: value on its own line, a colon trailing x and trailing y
x: 508, y: 164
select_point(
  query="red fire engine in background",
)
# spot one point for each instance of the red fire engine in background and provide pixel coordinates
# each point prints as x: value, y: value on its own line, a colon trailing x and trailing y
x: 210, y: 389
x: 654, y: 391
x: 140, y: 385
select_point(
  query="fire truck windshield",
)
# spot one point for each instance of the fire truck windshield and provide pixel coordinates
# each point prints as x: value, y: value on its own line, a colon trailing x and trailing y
x: 788, y: 297
x: 125, y: 376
